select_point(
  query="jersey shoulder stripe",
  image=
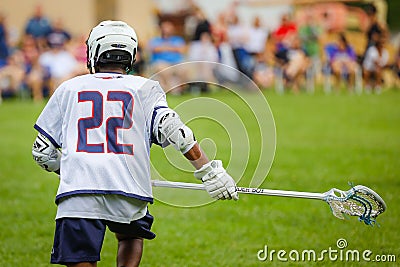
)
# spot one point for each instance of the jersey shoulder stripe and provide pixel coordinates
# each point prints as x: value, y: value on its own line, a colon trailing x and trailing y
x: 40, y: 130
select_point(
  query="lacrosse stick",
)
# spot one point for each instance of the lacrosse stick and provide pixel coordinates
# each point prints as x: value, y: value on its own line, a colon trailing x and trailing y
x: 359, y: 201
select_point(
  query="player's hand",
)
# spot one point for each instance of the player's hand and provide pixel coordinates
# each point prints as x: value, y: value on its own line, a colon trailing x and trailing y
x: 46, y: 154
x: 218, y: 183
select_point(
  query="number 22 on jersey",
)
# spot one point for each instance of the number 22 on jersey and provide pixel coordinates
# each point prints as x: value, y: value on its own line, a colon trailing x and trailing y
x: 96, y: 120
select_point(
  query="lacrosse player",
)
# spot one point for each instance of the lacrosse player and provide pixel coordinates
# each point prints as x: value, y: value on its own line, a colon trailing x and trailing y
x: 105, y: 177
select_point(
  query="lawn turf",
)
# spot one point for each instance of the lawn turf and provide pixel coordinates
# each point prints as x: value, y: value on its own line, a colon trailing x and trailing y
x: 323, y: 141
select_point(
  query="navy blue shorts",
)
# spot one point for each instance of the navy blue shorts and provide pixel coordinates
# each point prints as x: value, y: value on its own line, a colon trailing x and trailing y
x: 80, y: 240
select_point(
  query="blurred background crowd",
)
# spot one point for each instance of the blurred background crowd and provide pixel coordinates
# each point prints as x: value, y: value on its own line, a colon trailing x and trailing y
x: 314, y: 45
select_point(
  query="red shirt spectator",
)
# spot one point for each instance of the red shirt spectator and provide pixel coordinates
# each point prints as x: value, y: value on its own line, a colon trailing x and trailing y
x: 286, y: 28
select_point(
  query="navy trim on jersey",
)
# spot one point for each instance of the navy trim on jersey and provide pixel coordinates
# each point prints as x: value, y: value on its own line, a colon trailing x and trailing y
x: 153, y: 138
x: 103, y: 192
x: 40, y: 130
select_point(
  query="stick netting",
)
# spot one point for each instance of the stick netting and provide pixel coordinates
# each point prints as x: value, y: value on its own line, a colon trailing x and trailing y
x: 359, y: 201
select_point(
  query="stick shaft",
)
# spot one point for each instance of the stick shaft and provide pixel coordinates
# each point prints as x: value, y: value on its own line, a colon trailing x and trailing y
x: 243, y: 190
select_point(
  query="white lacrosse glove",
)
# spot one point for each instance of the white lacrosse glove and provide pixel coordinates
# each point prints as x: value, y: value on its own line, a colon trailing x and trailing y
x: 218, y: 183
x: 46, y: 154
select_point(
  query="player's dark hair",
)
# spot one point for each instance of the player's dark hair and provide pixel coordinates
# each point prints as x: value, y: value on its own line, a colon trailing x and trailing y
x: 114, y: 59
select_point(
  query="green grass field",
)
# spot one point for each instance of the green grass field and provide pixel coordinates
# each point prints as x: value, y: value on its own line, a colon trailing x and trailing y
x: 322, y: 142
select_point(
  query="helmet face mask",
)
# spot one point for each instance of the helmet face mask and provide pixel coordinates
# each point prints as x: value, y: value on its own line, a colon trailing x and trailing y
x: 111, y: 43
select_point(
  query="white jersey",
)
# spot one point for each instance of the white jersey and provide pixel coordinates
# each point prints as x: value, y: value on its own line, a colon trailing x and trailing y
x: 103, y: 123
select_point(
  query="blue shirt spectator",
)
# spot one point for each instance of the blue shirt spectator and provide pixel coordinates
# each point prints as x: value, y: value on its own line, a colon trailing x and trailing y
x: 168, y: 48
x: 166, y: 51
x: 168, y: 56
x: 335, y: 52
x: 38, y: 26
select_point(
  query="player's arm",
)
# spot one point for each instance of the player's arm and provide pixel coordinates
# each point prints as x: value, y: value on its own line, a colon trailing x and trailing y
x: 45, y: 154
x: 196, y: 156
x: 170, y: 129
x: 46, y: 147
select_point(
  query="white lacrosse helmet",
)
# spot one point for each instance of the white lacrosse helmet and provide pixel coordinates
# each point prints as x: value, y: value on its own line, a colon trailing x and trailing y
x: 114, y: 36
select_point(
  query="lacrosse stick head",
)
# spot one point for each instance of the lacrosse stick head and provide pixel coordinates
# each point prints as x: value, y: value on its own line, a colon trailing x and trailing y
x: 359, y: 201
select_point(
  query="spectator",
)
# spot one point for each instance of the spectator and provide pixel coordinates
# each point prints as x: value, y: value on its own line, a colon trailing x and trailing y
x: 263, y: 74
x: 60, y: 63
x: 284, y: 32
x: 343, y: 60
x: 376, y: 59
x: 203, y: 50
x: 36, y: 77
x: 203, y: 25
x: 39, y: 27
x: 12, y: 74
x: 309, y: 34
x: 375, y: 30
x: 58, y: 34
x: 282, y: 37
x: 296, y: 65
x: 257, y: 38
x: 219, y: 30
x: 255, y: 46
x: 4, y: 50
x: 238, y: 38
x: 167, y: 50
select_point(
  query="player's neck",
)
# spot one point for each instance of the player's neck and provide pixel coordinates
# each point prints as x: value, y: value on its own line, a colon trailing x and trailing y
x: 113, y: 70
